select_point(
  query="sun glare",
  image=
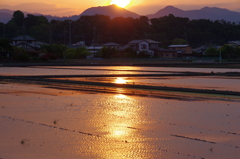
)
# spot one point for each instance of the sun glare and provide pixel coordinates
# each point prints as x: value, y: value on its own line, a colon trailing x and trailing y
x: 121, y: 3
x: 120, y: 81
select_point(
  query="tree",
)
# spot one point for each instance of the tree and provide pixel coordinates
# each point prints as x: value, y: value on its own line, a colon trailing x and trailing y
x: 18, y: 18
x: 237, y: 52
x: 211, y: 51
x: 5, y: 45
x: 130, y: 52
x: 179, y: 42
x: 2, y: 29
x: 229, y: 52
x: 30, y: 20
x: 107, y: 52
x: 70, y: 53
x: 12, y: 29
x: 143, y: 54
x: 56, y: 49
x: 82, y: 52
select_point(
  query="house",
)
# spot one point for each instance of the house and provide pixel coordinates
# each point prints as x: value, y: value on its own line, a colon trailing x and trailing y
x: 182, y: 50
x: 112, y: 45
x: 93, y: 50
x: 234, y: 43
x: 27, y: 42
x: 143, y: 45
x: 165, y: 53
x: 200, y: 50
x: 78, y: 44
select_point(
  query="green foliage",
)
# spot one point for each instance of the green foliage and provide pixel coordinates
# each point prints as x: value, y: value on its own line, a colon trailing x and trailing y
x: 12, y: 29
x: 2, y: 29
x: 130, y: 52
x: 229, y: 52
x: 179, y: 42
x: 212, y: 51
x: 143, y: 54
x: 122, y: 30
x: 23, y: 57
x: 169, y: 27
x: 108, y: 52
x: 56, y: 49
x: 17, y: 50
x: 18, y: 18
x: 82, y: 52
x: 5, y: 45
x: 70, y: 53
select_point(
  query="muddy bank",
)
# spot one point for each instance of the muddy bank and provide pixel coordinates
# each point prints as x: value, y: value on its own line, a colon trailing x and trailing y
x: 52, y: 79
x: 123, y: 62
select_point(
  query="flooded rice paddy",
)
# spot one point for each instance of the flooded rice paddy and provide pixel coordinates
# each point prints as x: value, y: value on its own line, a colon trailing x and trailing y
x: 118, y: 115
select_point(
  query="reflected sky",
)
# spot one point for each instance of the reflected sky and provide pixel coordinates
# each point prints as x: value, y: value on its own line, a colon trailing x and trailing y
x: 102, y: 70
x: 120, y: 118
x: 114, y: 125
x: 119, y: 124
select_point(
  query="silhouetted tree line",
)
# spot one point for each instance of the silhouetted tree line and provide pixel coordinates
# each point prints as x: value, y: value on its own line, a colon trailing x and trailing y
x: 121, y: 30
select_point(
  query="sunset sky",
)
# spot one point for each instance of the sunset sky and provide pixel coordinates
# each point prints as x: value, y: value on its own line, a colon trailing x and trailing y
x: 142, y: 7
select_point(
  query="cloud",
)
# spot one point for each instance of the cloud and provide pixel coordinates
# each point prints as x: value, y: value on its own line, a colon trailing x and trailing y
x: 43, y: 8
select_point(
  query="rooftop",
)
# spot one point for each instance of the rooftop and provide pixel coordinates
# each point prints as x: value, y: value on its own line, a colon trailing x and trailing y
x: 21, y: 37
x: 141, y: 40
x: 111, y: 44
x: 178, y: 45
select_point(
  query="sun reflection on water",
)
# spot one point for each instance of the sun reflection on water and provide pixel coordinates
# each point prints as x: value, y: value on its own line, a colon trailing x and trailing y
x: 117, y: 118
x: 120, y: 80
x: 121, y: 96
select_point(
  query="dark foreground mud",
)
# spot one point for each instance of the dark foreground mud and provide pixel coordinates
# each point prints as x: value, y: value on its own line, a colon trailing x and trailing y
x: 66, y: 79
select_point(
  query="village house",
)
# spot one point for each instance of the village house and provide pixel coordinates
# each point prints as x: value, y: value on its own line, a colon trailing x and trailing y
x: 165, y: 53
x: 112, y: 45
x: 146, y: 45
x: 182, y: 50
x: 27, y: 42
x: 234, y: 43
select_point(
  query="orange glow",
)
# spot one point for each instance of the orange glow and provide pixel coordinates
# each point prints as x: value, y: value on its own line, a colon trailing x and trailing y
x: 122, y: 96
x: 121, y: 3
x: 120, y: 80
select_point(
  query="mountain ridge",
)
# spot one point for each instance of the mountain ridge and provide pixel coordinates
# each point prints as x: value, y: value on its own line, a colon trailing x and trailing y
x: 211, y: 13
x: 111, y: 10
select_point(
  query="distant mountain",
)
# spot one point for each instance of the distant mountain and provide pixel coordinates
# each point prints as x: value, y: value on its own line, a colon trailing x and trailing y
x: 111, y: 10
x: 5, y: 17
x: 204, y: 13
x: 115, y: 11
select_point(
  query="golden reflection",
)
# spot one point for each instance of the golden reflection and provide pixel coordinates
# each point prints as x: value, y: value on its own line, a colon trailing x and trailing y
x: 118, y: 118
x: 121, y: 96
x: 120, y: 80
x: 124, y: 70
x: 118, y: 133
x: 127, y: 68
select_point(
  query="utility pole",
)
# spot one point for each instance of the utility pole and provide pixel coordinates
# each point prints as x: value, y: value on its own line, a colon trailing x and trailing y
x: 70, y: 36
x: 24, y: 45
x: 94, y: 40
x: 220, y: 55
x: 64, y: 35
x: 50, y: 34
x: 4, y: 30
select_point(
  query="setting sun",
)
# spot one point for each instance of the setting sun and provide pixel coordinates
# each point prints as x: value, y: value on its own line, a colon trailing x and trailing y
x: 121, y: 3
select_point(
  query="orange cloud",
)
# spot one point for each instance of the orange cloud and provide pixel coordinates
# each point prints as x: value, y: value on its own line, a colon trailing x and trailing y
x: 43, y: 8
